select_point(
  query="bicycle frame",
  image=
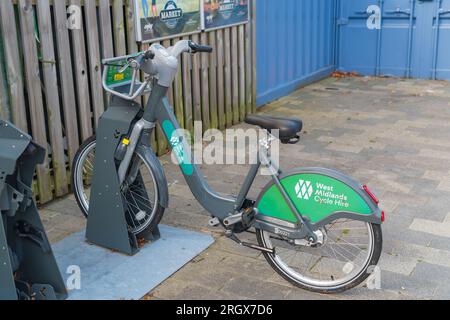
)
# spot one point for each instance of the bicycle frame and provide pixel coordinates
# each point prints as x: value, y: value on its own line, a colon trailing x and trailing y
x: 124, y: 126
x: 296, y: 206
x: 219, y: 206
x: 126, y: 120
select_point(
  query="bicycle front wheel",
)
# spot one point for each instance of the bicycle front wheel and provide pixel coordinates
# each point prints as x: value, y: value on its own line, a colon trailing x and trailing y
x: 348, y: 255
x: 143, y: 211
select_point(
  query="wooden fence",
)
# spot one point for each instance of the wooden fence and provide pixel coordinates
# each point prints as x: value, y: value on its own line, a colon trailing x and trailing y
x: 50, y: 77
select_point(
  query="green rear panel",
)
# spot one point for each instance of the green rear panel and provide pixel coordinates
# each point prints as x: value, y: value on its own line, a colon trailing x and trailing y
x: 315, y: 196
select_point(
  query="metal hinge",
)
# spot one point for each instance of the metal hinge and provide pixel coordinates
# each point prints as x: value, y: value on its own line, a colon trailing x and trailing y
x: 27, y: 231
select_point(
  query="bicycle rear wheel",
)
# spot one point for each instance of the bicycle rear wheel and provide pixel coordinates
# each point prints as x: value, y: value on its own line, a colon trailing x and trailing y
x: 143, y: 211
x: 349, y: 253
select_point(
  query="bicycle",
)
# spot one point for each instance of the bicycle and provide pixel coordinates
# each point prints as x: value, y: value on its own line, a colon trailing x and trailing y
x: 317, y: 228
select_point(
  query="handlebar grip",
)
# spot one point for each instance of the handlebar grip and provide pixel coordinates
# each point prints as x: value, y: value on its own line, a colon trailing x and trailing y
x: 149, y: 55
x: 199, y: 48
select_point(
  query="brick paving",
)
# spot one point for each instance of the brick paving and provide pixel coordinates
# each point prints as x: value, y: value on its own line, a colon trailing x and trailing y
x: 391, y: 134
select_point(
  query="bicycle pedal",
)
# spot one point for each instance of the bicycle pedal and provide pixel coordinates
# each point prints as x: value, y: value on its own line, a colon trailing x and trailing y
x: 214, y: 222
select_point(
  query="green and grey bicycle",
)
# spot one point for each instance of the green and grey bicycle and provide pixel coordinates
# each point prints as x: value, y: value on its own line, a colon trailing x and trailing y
x: 317, y: 228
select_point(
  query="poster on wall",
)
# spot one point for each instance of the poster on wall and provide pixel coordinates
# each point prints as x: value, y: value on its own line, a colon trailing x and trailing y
x: 218, y: 14
x: 160, y: 19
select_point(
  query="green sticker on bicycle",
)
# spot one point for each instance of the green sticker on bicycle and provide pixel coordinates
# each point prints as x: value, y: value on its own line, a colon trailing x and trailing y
x: 181, y: 153
x: 315, y: 196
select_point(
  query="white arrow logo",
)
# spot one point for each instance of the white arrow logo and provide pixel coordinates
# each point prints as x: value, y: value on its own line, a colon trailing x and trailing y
x: 304, y: 189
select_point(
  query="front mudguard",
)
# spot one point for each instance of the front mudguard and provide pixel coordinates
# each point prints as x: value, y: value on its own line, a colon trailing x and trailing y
x: 320, y: 196
x: 159, y: 175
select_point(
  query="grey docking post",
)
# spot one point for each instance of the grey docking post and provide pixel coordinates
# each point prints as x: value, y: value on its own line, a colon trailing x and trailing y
x: 107, y: 225
x: 28, y: 269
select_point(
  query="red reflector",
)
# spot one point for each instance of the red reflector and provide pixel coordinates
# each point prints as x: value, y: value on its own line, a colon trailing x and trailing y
x: 383, y: 218
x: 370, y: 193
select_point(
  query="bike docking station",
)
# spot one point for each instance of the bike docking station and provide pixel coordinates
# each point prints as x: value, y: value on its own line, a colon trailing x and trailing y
x: 107, y: 224
x: 28, y: 269
x: 118, y: 261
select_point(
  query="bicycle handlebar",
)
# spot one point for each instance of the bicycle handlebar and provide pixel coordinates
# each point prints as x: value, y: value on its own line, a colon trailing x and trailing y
x: 156, y: 61
x: 149, y: 54
x: 199, y: 48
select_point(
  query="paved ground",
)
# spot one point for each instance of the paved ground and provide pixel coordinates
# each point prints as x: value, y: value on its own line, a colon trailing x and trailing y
x: 391, y: 134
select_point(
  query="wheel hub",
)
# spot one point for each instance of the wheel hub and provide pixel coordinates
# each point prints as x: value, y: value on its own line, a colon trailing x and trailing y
x: 321, y: 239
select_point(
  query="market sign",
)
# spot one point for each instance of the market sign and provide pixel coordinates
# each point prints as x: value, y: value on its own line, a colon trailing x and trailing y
x: 160, y: 19
x: 224, y: 13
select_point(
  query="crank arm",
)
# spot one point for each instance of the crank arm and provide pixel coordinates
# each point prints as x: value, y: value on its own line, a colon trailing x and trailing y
x: 232, y: 220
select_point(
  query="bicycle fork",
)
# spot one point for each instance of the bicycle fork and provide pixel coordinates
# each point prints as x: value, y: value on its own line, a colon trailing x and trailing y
x: 134, y: 140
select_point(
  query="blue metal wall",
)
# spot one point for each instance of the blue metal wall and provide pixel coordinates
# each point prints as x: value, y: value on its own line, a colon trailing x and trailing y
x: 301, y: 41
x: 414, y: 39
x: 295, y: 45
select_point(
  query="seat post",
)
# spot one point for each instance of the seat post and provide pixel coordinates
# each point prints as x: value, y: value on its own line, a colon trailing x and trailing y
x: 265, y: 154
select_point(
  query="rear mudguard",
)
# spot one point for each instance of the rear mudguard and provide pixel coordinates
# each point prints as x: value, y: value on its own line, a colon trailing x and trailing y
x: 320, y: 196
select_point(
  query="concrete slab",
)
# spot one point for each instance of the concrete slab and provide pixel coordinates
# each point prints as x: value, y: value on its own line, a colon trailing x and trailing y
x: 431, y: 227
x: 400, y: 128
x: 106, y: 275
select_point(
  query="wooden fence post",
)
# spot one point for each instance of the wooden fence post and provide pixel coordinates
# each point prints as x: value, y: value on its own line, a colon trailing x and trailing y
x: 14, y: 74
x: 228, y: 79
x: 221, y: 80
x: 67, y: 89
x: 52, y: 98
x: 33, y: 81
x: 178, y: 95
x: 196, y: 95
x: 120, y: 44
x: 95, y: 67
x: 249, y: 69
x: 252, y: 25
x: 81, y: 78
x: 205, y: 107
x: 213, y: 82
x: 187, y: 92
x: 5, y: 112
x: 131, y: 26
x: 242, y: 64
x: 234, y: 74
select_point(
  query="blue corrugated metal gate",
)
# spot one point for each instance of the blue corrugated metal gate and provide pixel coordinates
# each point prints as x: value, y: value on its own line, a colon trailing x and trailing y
x: 295, y: 44
x: 412, y: 38
x: 299, y: 41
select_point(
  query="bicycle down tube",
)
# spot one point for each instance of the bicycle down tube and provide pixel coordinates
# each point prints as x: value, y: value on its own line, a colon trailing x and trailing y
x: 159, y: 109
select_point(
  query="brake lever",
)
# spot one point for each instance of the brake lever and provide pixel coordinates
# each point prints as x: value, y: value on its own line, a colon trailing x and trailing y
x: 125, y: 67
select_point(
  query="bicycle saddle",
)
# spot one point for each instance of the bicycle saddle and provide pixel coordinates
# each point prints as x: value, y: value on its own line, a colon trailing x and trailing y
x: 289, y: 129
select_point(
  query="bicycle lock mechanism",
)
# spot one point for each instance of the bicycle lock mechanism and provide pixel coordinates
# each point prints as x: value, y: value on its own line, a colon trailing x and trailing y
x: 123, y: 128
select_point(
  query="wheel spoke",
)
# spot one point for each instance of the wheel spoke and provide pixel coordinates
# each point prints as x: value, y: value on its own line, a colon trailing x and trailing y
x: 339, y: 260
x: 142, y: 195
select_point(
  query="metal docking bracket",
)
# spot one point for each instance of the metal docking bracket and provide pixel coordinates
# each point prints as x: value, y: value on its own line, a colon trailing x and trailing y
x: 28, y: 269
x: 107, y: 224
